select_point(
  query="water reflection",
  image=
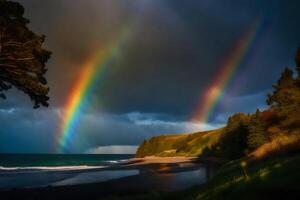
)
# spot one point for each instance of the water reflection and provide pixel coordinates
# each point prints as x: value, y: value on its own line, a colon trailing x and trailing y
x: 170, y: 177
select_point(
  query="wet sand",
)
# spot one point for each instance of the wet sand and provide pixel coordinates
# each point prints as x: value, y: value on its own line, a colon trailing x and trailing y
x: 155, y: 174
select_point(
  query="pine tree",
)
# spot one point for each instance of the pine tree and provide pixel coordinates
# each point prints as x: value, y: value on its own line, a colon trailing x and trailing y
x: 285, y: 100
x: 256, y: 132
x: 285, y: 82
x: 297, y: 60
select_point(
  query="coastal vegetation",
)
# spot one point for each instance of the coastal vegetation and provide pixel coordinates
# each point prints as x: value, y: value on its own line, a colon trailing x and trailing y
x: 275, y: 129
x: 260, y: 151
x: 179, y: 145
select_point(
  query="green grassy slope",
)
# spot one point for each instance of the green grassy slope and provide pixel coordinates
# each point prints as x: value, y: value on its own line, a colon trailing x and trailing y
x: 179, y: 145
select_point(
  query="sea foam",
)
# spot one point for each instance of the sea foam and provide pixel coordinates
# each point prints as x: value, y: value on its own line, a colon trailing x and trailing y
x: 50, y: 168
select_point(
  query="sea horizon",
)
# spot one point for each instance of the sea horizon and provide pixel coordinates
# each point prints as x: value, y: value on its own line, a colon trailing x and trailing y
x: 58, y: 160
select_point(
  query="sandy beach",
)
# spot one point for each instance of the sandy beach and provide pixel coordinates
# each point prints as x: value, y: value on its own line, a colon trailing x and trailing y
x: 151, y: 174
x: 161, y: 160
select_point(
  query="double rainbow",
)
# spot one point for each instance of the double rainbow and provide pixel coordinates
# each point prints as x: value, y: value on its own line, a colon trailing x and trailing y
x: 98, y: 65
x: 214, y: 93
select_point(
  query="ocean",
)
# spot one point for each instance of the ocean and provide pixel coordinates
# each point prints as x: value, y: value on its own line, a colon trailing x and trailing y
x: 56, y: 161
x: 39, y: 170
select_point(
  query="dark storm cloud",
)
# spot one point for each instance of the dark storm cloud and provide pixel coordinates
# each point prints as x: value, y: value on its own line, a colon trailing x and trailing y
x: 168, y: 65
x: 74, y: 30
x: 24, y: 131
x: 172, y: 55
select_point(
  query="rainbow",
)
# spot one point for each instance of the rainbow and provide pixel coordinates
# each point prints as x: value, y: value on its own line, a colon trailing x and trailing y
x: 214, y: 93
x: 91, y: 72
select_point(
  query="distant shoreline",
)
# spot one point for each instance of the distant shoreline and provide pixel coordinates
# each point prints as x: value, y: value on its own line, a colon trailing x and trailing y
x: 159, y: 160
x: 148, y: 160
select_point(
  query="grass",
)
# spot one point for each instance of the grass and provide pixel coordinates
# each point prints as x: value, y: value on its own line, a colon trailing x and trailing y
x: 179, y: 145
x: 280, y: 144
x: 265, y: 179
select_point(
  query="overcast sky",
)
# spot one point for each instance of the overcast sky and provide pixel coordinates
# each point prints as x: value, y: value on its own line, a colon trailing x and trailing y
x: 172, y: 55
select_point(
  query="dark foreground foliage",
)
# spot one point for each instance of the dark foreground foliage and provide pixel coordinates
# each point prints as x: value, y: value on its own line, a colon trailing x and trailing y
x: 22, y: 57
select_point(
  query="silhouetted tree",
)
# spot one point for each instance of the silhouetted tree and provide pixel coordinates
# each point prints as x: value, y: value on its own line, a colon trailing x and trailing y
x: 256, y: 132
x: 236, y: 120
x: 285, y: 100
x: 22, y: 58
x: 233, y: 143
x: 297, y: 60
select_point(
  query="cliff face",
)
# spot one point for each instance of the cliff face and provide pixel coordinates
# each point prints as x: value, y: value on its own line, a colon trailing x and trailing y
x: 179, y: 145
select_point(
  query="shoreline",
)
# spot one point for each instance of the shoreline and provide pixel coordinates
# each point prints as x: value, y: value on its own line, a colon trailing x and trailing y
x: 173, y: 159
x: 159, y: 160
x: 155, y: 174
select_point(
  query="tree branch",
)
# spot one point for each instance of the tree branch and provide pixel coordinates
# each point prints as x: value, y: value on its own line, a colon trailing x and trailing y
x: 17, y: 59
x: 16, y: 43
x: 9, y: 65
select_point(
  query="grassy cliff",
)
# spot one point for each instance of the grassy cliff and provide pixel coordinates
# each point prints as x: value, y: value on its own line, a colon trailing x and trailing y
x: 179, y: 145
